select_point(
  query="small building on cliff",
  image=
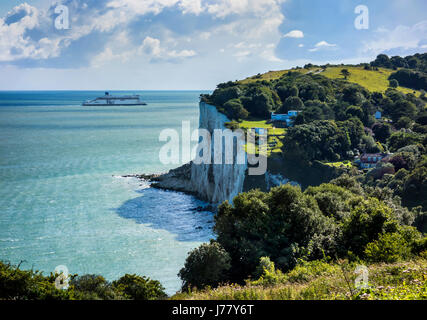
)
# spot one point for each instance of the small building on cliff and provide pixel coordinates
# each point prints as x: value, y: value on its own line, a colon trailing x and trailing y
x: 287, y: 118
x: 370, y: 160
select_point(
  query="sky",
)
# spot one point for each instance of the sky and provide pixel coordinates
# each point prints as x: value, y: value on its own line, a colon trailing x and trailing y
x: 193, y: 44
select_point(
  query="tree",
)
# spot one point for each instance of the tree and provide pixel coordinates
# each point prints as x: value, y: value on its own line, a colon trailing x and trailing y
x: 222, y: 95
x: 393, y: 83
x: 390, y: 247
x: 317, y: 140
x: 135, y: 287
x: 291, y: 103
x: 234, y: 109
x: 403, y: 122
x: 366, y: 222
x: 382, y: 131
x: 345, y: 73
x: 402, y: 108
x: 402, y: 139
x: 93, y: 287
x: 355, y: 111
x: 207, y: 265
x: 354, y: 94
x: 382, y: 60
x: 278, y: 224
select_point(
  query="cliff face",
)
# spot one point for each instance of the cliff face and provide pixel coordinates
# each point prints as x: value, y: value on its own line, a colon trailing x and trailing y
x: 214, y: 183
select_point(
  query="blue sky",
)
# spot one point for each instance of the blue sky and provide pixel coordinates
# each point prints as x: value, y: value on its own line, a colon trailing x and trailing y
x: 192, y: 44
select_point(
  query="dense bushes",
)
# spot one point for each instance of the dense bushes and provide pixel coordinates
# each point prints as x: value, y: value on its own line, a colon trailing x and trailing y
x: 17, y: 284
x: 278, y: 224
x: 285, y: 225
x: 415, y: 62
x: 326, y: 140
x: 411, y: 79
x: 390, y: 247
x: 133, y: 287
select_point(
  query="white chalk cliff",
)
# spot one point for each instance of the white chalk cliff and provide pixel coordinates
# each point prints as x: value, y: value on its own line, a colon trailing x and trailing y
x: 211, y: 182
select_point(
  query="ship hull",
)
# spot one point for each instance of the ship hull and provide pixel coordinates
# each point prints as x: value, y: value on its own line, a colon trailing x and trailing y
x: 113, y: 104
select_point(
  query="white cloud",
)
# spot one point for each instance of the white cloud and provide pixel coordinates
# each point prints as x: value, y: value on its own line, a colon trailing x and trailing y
x: 322, y: 45
x: 401, y: 37
x: 294, y: 34
x: 181, y: 54
x: 300, y: 45
x: 13, y: 42
x: 139, y: 7
x: 152, y: 47
x: 253, y: 23
x: 191, y: 6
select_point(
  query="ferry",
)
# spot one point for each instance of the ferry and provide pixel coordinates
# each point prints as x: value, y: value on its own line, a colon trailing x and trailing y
x: 109, y: 100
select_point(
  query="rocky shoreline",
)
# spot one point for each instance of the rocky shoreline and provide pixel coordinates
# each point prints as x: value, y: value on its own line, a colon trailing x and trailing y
x: 175, y: 180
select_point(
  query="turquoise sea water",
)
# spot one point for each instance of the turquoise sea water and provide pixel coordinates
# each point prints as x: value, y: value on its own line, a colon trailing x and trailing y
x: 63, y: 202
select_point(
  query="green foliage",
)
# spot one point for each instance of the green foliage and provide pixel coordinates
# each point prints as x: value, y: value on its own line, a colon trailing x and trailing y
x: 207, y: 265
x: 278, y: 224
x: 402, y: 139
x: 319, y: 140
x: 134, y: 287
x: 291, y: 103
x: 345, y: 73
x: 221, y: 95
x: 318, y: 280
x: 389, y: 247
x: 411, y: 79
x: 366, y: 222
x: 17, y: 284
x: 394, y: 83
x: 234, y: 109
x: 382, y: 131
x: 267, y: 273
x: 93, y: 287
x: 404, y: 123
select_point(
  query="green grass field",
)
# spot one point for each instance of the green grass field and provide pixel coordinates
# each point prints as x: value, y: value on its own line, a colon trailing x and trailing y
x: 322, y: 281
x: 374, y: 81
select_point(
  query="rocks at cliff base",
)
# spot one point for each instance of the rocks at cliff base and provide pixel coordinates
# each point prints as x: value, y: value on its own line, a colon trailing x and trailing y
x: 146, y: 177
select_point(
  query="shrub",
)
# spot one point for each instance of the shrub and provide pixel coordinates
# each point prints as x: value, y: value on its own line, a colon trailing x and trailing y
x: 93, y: 287
x: 268, y: 275
x: 139, y: 288
x: 390, y: 247
x: 234, y: 109
x: 207, y: 265
x: 393, y: 83
x: 17, y: 284
x: 366, y: 222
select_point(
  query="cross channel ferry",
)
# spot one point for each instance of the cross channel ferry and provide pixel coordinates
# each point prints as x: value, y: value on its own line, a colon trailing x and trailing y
x: 109, y: 100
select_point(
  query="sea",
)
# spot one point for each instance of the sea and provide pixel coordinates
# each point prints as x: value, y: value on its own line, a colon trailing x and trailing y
x: 64, y: 200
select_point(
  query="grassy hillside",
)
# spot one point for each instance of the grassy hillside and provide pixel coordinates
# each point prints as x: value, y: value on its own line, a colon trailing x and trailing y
x: 322, y: 281
x: 374, y: 81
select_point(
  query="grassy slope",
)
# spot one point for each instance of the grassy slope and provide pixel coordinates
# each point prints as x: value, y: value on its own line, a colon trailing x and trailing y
x: 371, y: 80
x: 275, y: 135
x: 322, y: 281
